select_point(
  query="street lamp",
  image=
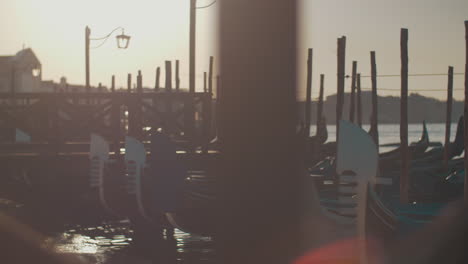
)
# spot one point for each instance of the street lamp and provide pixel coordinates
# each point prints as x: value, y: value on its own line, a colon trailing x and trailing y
x: 122, y: 43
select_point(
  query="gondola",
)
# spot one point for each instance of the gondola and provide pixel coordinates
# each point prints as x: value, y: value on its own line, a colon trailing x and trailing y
x: 110, y: 180
x: 354, y: 169
x: 382, y: 201
x: 324, y: 171
x: 455, y: 148
x: 417, y: 149
x: 166, y: 194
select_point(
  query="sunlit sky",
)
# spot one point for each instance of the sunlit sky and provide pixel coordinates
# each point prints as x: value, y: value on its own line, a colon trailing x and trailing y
x: 54, y: 29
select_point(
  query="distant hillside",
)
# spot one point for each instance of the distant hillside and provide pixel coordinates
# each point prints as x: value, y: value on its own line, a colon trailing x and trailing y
x: 419, y: 108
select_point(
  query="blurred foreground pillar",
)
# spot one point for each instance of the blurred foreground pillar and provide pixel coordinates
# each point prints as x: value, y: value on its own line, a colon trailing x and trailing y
x: 260, y: 184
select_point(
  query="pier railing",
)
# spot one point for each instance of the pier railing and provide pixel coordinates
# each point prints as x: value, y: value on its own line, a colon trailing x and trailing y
x: 58, y: 118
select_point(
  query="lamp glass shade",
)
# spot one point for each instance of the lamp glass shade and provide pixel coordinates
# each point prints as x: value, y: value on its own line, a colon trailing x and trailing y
x: 123, y: 41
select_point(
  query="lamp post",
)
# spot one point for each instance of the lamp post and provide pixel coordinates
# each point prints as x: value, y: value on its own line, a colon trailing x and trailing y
x: 122, y: 43
x: 193, y: 21
x: 192, y: 43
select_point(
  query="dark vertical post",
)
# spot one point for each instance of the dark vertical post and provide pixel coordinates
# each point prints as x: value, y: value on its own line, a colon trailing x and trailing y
x: 466, y: 113
x: 320, y: 120
x: 210, y: 76
x: 404, y: 180
x: 138, y: 116
x: 353, y: 93
x: 205, y: 114
x: 168, y: 121
x: 320, y: 101
x: 247, y: 152
x: 177, y: 76
x: 113, y: 83
x: 168, y: 76
x: 192, y: 39
x: 158, y: 76
x: 129, y: 82
x: 156, y: 89
x: 210, y: 99
x: 139, y: 83
x: 359, y: 103
x: 374, y: 129
x: 308, y: 93
x: 217, y: 106
x: 205, y: 88
x: 448, y: 118
x: 189, y: 106
x: 130, y: 106
x: 87, y: 34
x: 341, y: 81
x: 115, y: 119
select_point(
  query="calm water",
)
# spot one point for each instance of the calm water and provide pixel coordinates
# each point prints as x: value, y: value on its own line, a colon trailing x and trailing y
x: 390, y: 133
x: 111, y: 243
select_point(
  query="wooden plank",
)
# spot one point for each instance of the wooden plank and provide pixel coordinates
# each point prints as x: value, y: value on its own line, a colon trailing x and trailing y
x: 404, y: 178
x: 448, y: 118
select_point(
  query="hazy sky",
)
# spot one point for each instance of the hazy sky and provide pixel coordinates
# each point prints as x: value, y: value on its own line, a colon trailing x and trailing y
x: 436, y: 40
x: 159, y: 31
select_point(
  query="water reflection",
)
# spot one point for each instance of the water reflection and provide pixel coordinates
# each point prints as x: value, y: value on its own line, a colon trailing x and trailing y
x: 111, y: 243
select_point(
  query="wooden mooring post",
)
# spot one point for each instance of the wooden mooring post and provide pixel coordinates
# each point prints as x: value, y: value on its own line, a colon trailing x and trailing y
x: 113, y: 83
x: 374, y: 129
x: 466, y: 113
x: 320, y: 118
x: 353, y: 93
x: 177, y: 76
x: 340, y: 82
x: 308, y: 103
x: 210, y: 76
x: 320, y: 101
x: 208, y: 109
x: 359, y: 102
x: 115, y: 120
x: 448, y: 118
x: 205, y: 85
x: 168, y: 126
x: 405, y: 159
x: 157, y: 80
x: 129, y: 83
